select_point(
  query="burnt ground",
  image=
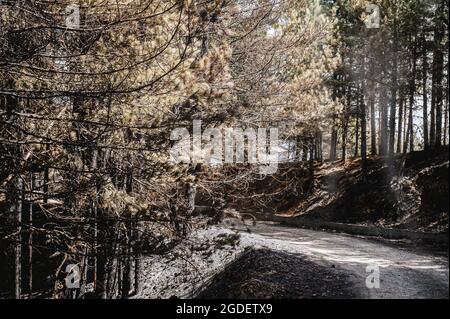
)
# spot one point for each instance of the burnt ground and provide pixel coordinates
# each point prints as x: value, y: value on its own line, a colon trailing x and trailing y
x: 265, y: 273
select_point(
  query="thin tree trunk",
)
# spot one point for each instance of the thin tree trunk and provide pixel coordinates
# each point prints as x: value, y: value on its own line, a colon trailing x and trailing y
x: 316, y: 147
x: 99, y: 263
x: 16, y: 190
x: 18, y: 244
x: 319, y: 146
x: 373, y: 128
x: 363, y: 136
x: 446, y: 115
x: 379, y: 125
x: 311, y: 166
x: 400, y: 125
x: 384, y: 121
x: 347, y: 107
x: 334, y: 133
x: 46, y: 178
x: 433, y: 119
x: 394, y: 89
x: 438, y: 66
x: 410, y: 140
x: 305, y: 151
x: 334, y: 137
x: 30, y: 238
x: 137, y: 259
x: 405, y: 128
x: 126, y: 280
x: 412, y: 91
x: 425, y: 94
x: 358, y: 107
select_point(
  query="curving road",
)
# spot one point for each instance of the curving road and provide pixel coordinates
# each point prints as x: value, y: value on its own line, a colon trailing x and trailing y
x: 405, y: 271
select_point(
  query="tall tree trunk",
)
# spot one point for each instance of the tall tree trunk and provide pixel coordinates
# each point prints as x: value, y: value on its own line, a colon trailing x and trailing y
x: 379, y: 126
x: 438, y: 66
x: 373, y: 128
x: 298, y: 149
x: 46, y: 178
x: 446, y: 114
x: 410, y: 139
x: 319, y: 146
x: 433, y: 117
x: 30, y: 237
x: 15, y: 189
x: 425, y: 93
x: 384, y: 116
x: 347, y: 107
x: 394, y: 88
x: 412, y: 91
x: 334, y: 133
x: 400, y: 124
x: 358, y: 110
x: 311, y: 165
x: 363, y: 135
x: 334, y: 138
x: 304, y: 151
x: 316, y: 148
x: 18, y: 245
x: 405, y: 127
x: 137, y: 259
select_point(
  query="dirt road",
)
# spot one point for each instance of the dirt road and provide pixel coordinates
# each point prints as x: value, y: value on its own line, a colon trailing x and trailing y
x: 293, y: 263
x: 405, y: 271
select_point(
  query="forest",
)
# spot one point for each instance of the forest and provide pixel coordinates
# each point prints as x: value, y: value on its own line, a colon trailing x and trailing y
x: 91, y: 92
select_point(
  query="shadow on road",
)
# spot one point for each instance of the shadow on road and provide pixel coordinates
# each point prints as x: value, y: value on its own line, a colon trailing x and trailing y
x: 264, y: 273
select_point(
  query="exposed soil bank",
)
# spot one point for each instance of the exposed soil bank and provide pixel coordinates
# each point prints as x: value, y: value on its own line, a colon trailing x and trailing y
x: 185, y: 269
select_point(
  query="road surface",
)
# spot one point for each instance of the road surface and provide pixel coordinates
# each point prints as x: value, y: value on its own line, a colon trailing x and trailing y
x: 405, y: 271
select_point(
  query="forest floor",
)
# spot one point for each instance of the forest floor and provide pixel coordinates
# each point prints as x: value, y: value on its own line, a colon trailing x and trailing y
x: 272, y: 261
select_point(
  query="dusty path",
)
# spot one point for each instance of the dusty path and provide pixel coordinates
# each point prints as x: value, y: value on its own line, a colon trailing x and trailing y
x: 405, y: 270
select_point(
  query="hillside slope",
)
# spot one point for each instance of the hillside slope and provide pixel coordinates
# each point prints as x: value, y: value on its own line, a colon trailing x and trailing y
x: 412, y: 193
